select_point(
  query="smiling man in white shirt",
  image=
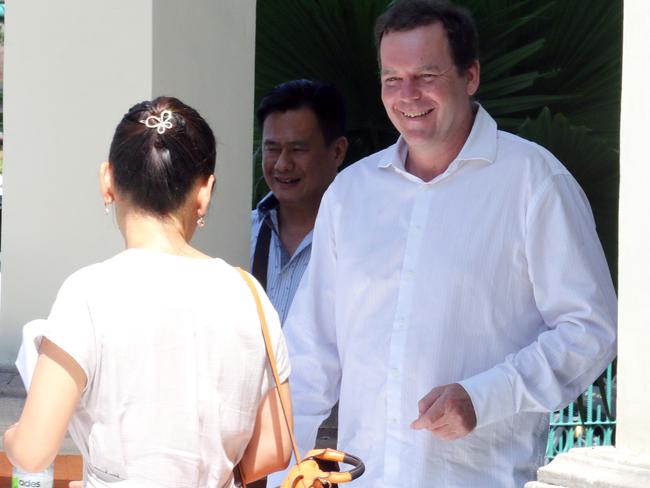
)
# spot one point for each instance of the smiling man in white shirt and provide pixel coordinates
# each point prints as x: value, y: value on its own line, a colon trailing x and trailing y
x: 457, y: 289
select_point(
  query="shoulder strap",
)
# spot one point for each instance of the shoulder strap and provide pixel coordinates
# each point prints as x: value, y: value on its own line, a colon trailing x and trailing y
x: 261, y: 255
x: 271, y: 357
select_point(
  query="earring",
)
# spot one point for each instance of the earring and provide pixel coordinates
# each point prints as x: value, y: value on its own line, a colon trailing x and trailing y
x: 107, y: 207
x: 200, y: 221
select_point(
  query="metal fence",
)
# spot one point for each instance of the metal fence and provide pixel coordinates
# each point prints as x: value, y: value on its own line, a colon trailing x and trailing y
x: 569, y: 430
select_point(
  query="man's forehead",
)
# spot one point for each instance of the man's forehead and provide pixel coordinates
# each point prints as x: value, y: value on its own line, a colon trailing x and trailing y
x: 432, y: 36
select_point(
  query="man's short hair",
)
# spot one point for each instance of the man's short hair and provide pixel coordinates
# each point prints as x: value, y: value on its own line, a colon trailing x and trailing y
x: 462, y: 34
x: 322, y: 98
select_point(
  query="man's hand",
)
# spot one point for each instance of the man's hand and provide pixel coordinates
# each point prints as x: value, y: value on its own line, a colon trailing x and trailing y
x: 446, y: 411
x: 76, y: 484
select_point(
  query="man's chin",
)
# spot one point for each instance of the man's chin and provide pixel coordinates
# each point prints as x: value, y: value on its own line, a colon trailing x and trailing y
x: 287, y: 196
x: 416, y: 137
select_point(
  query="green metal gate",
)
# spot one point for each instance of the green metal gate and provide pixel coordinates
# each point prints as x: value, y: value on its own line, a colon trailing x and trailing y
x: 568, y: 431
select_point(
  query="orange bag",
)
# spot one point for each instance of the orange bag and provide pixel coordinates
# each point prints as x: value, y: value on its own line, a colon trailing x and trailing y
x: 305, y: 473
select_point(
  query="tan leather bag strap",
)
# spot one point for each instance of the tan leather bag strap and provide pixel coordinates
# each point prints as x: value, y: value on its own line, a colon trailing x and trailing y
x: 271, y: 357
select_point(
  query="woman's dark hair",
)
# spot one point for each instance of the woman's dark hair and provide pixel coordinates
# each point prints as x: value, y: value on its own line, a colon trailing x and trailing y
x: 156, y: 168
x: 406, y: 15
x: 321, y: 97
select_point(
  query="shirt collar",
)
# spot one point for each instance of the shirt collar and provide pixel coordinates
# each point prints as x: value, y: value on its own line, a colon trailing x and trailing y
x: 267, y: 204
x: 267, y: 211
x: 481, y: 144
x: 394, y: 155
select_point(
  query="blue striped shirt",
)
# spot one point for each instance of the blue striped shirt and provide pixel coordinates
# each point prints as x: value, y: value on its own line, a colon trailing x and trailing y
x: 284, y: 272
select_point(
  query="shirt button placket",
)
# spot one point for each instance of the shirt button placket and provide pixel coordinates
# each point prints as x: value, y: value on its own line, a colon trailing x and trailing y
x: 394, y: 418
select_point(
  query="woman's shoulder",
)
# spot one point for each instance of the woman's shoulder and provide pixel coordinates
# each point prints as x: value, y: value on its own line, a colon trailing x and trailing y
x: 82, y: 278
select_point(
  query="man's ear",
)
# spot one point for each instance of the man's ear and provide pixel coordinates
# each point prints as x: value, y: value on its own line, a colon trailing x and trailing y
x: 473, y: 77
x: 340, y: 148
x: 106, y: 182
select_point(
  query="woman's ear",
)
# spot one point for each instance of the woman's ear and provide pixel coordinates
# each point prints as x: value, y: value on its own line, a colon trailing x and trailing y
x: 106, y: 182
x: 204, y: 194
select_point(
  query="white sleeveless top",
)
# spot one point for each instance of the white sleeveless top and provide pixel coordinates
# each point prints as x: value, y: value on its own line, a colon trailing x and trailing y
x: 176, y: 366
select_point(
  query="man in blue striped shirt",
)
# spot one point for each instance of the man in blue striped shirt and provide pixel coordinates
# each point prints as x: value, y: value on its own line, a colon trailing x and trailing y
x: 303, y: 145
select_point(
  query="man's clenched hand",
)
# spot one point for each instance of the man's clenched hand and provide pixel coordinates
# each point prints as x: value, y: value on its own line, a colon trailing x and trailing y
x: 447, y: 412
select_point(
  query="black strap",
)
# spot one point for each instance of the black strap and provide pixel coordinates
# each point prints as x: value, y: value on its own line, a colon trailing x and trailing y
x: 261, y: 255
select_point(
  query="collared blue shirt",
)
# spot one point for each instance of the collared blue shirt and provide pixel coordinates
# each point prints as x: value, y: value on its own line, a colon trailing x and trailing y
x: 284, y: 272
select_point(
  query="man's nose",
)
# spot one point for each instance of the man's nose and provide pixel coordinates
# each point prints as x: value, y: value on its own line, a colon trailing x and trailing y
x: 409, y: 89
x: 283, y: 163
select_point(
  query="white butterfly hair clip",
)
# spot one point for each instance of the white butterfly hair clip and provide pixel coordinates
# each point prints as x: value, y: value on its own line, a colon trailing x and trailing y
x: 161, y: 124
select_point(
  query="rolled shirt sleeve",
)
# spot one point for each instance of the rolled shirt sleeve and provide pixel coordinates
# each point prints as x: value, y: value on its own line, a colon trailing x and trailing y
x: 70, y: 325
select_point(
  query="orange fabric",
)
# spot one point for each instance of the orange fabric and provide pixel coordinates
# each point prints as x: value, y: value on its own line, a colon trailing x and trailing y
x: 307, y: 474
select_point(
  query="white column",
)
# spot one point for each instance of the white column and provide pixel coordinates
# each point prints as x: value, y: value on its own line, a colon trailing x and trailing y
x: 633, y: 402
x: 72, y: 68
x: 628, y: 464
x: 204, y: 53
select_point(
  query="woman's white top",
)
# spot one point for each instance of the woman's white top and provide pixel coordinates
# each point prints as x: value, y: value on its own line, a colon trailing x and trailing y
x: 176, y: 366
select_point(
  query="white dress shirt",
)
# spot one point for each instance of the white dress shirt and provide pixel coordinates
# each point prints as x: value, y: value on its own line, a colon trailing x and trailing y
x: 490, y: 275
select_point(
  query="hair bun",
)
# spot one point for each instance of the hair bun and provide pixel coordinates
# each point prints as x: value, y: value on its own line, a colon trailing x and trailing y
x: 158, y: 172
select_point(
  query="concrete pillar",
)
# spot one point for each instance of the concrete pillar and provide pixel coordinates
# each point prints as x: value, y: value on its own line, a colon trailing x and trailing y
x: 628, y: 464
x: 633, y: 403
x: 72, y: 68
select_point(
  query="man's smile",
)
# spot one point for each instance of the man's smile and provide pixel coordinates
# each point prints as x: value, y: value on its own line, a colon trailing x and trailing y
x: 286, y: 180
x: 415, y: 115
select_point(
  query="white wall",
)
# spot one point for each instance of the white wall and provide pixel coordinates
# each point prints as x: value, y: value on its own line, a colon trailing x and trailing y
x: 633, y: 402
x: 72, y: 68
x: 212, y: 45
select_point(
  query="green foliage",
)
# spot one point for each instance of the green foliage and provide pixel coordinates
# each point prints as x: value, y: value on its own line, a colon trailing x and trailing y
x: 328, y: 40
x: 551, y: 72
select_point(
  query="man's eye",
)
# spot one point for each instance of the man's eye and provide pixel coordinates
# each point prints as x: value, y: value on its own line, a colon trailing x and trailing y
x: 391, y: 81
x: 428, y: 77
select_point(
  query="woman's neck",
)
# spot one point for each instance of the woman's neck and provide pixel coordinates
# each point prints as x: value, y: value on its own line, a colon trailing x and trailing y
x: 166, y: 235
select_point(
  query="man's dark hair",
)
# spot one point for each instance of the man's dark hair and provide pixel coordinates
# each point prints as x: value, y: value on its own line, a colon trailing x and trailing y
x: 407, y: 15
x: 322, y: 98
x: 155, y: 169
